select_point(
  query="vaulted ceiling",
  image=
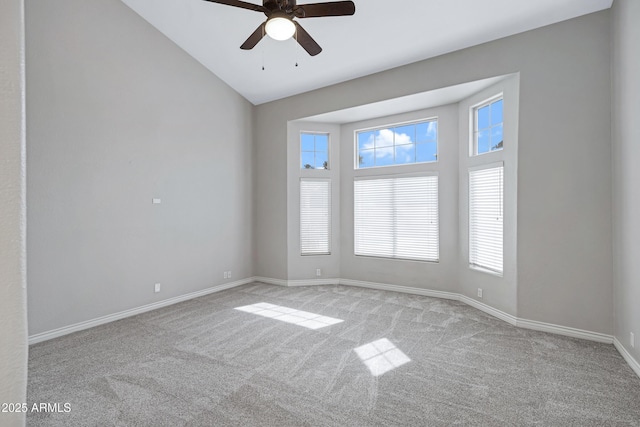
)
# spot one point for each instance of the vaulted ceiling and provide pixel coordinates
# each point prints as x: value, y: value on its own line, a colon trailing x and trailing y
x: 382, y: 34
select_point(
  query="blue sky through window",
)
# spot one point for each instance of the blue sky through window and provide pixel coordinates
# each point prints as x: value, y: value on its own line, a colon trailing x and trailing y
x: 314, y: 150
x: 488, y: 127
x: 398, y: 145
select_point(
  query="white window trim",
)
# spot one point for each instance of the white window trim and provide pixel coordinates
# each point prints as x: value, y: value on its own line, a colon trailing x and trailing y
x: 473, y: 146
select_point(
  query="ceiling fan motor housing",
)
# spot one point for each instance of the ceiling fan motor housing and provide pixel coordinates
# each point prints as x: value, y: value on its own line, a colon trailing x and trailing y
x: 285, y: 6
x: 280, y: 24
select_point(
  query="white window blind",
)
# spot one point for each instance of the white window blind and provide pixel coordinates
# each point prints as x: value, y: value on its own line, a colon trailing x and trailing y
x: 315, y: 216
x: 397, y: 217
x: 486, y: 218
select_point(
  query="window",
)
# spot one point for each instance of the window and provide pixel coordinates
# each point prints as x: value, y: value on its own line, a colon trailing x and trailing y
x: 487, y: 127
x: 398, y: 145
x: 486, y: 218
x: 397, y: 217
x: 315, y: 216
x: 314, y: 150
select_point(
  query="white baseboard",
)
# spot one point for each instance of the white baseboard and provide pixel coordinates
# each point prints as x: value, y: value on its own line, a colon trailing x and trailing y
x: 313, y: 282
x: 397, y: 288
x: 303, y: 282
x: 635, y: 366
x: 564, y: 330
x: 44, y: 336
x: 270, y: 281
x: 506, y: 317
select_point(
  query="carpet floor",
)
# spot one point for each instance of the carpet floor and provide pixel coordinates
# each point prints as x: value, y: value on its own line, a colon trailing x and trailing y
x: 262, y: 355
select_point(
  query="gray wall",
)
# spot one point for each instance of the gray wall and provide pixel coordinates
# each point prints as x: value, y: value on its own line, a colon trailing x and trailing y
x: 270, y: 193
x: 564, y: 176
x: 118, y: 115
x: 626, y: 175
x: 13, y: 297
x: 564, y: 161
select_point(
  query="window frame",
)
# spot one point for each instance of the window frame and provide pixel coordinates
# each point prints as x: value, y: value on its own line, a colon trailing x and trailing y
x: 473, y: 146
x: 300, y: 150
x: 356, y: 148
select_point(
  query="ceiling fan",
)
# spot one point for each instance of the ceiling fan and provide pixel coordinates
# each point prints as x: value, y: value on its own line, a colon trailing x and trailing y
x: 280, y: 24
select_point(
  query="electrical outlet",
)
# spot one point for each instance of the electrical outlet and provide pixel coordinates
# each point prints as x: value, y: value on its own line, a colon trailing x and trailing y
x: 225, y: 275
x: 632, y: 340
x: 479, y: 292
x: 318, y: 272
x: 229, y: 274
x: 157, y: 288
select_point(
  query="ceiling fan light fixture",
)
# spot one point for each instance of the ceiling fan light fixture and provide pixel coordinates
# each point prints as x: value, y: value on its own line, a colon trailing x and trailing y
x: 280, y: 28
x: 280, y: 24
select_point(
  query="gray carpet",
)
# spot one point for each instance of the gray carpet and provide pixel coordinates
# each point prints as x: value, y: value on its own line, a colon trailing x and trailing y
x: 433, y: 363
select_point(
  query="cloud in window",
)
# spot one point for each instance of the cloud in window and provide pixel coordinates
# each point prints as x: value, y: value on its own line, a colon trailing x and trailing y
x: 432, y: 130
x: 385, y: 138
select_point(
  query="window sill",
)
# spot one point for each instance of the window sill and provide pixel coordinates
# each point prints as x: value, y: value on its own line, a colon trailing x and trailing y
x: 486, y: 270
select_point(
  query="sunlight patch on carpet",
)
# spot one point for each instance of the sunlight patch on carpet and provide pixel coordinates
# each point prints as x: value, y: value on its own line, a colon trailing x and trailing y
x: 381, y: 356
x: 290, y: 315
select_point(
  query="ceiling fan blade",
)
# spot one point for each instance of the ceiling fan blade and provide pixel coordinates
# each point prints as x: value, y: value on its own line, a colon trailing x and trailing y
x: 254, y: 38
x: 306, y: 41
x: 242, y: 4
x: 316, y: 10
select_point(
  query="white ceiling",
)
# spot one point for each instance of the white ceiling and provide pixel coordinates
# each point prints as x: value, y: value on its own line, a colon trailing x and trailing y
x: 404, y: 104
x: 382, y: 34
